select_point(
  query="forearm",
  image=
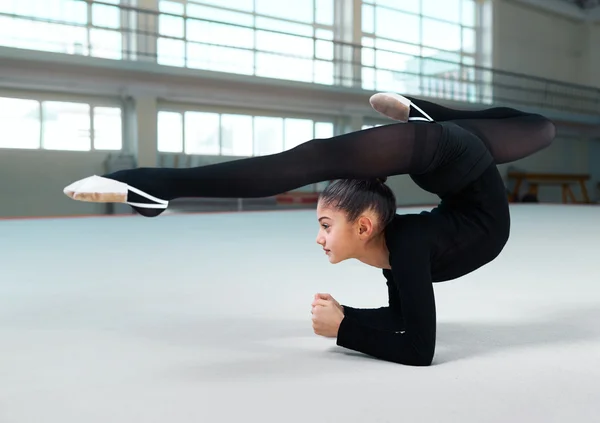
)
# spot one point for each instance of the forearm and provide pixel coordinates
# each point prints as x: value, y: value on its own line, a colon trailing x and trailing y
x: 390, y: 345
x: 385, y: 318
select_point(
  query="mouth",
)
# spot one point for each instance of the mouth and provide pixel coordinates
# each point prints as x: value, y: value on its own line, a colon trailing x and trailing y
x: 326, y: 251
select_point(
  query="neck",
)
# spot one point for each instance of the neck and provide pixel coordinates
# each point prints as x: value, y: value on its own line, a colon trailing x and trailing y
x: 376, y: 253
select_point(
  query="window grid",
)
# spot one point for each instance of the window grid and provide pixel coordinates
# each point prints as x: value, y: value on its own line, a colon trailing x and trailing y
x: 71, y: 27
x: 454, y: 78
x: 88, y: 134
x: 248, y: 146
x: 314, y: 64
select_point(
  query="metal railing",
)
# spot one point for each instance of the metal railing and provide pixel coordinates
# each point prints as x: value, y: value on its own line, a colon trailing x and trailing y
x: 122, y: 32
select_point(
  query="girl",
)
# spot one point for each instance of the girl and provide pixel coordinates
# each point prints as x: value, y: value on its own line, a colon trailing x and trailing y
x: 450, y: 153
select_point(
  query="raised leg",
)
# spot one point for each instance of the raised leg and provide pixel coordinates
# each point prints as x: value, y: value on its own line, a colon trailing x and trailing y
x: 508, y: 133
x: 382, y: 151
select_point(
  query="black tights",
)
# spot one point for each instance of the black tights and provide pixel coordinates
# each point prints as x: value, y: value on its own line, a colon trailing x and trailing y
x: 395, y: 149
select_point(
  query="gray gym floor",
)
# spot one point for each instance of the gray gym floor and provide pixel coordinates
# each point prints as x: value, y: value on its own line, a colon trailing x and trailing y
x: 206, y: 318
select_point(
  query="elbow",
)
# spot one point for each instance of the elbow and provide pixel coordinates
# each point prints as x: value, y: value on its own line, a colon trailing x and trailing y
x: 422, y: 357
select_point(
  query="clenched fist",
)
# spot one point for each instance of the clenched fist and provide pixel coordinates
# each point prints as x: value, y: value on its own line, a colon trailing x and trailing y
x: 327, y: 315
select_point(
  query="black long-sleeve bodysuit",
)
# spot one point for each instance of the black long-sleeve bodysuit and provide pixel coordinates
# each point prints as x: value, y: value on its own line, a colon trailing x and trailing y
x: 454, y: 157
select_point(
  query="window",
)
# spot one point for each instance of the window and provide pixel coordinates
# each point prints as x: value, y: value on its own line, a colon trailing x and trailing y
x: 20, y: 121
x: 253, y: 37
x: 65, y: 26
x: 432, y: 53
x: 108, y: 131
x: 59, y: 125
x: 235, y: 135
x: 66, y: 126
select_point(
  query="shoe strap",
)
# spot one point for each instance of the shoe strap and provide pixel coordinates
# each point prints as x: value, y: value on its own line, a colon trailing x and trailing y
x: 422, y: 112
x: 148, y: 196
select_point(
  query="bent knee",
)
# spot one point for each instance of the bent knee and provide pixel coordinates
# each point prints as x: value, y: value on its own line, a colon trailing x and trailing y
x: 545, y: 128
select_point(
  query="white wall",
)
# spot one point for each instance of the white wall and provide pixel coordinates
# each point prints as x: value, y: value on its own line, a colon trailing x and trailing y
x: 538, y: 42
x: 594, y: 62
x: 32, y: 182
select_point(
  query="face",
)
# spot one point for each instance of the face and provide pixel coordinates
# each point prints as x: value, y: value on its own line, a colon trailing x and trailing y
x: 341, y: 239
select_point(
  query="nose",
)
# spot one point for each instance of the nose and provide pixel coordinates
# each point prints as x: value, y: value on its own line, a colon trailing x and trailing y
x: 320, y: 239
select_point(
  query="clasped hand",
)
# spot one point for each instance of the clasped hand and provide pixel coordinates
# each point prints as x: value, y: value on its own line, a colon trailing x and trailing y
x: 327, y: 315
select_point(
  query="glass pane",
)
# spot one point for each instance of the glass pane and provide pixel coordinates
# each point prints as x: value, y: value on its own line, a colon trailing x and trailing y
x: 172, y: 7
x: 214, y: 14
x: 58, y: 38
x: 368, y: 18
x: 448, y: 10
x: 170, y: 132
x: 388, y: 21
x: 368, y: 57
x: 368, y: 41
x: 106, y: 44
x: 468, y: 13
x: 325, y: 12
x: 66, y: 126
x: 368, y: 78
x: 412, y: 6
x: 236, y: 135
x: 106, y: 16
x: 108, y: 132
x: 468, y: 41
x: 390, y: 56
x: 324, y: 34
x: 246, y: 5
x: 285, y: 27
x: 324, y: 49
x: 221, y: 59
x: 202, y: 133
x: 451, y: 39
x: 297, y: 131
x: 268, y: 135
x: 323, y: 72
x: 222, y: 34
x: 170, y: 26
x: 284, y: 44
x: 171, y: 52
x: 440, y: 62
x: 323, y: 129
x: 276, y: 66
x: 20, y: 122
x: 298, y: 10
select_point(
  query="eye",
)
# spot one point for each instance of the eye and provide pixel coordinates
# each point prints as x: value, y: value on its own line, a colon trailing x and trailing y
x: 325, y: 225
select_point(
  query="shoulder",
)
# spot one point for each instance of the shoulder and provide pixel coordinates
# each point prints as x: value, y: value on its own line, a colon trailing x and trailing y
x: 414, y: 230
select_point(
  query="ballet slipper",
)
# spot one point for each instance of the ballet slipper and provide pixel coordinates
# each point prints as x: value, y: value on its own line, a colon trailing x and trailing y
x: 395, y: 107
x: 98, y: 189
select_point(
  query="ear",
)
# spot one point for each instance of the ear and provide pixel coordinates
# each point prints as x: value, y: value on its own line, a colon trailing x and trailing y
x: 365, y: 226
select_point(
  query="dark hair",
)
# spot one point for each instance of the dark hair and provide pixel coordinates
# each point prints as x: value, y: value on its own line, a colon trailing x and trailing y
x: 354, y: 196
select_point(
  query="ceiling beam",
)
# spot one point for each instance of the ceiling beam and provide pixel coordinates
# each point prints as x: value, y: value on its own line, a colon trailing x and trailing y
x: 563, y: 8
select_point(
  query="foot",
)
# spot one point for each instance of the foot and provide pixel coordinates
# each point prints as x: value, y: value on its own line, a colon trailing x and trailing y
x: 395, y: 107
x: 98, y: 189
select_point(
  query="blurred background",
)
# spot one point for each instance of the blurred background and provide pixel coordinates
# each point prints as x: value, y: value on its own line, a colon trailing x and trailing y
x: 88, y: 87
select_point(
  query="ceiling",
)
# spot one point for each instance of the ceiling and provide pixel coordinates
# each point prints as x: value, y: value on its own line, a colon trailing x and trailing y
x: 584, y: 10
x: 585, y: 4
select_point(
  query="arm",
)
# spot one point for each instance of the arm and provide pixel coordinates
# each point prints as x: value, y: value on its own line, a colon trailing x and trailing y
x: 410, y: 262
x: 388, y: 318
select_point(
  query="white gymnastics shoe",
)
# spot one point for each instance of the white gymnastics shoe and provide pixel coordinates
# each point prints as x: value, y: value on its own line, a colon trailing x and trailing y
x: 396, y: 107
x: 98, y: 189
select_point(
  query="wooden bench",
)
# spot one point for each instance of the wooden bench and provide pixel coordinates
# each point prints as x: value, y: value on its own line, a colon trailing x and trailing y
x: 565, y: 180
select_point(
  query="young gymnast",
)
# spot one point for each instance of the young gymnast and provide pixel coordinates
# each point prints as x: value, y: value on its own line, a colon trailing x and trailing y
x: 450, y: 153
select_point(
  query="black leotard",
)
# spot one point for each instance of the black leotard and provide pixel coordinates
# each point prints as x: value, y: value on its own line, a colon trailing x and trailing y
x: 467, y: 230
x: 454, y: 157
